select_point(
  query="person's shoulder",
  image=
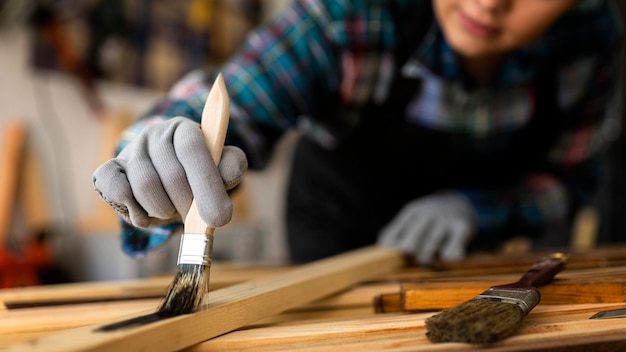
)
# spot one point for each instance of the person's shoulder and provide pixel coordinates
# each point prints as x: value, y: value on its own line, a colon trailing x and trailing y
x: 590, y: 28
x: 598, y: 21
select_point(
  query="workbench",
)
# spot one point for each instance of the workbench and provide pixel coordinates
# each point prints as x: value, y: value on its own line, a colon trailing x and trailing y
x: 353, y: 319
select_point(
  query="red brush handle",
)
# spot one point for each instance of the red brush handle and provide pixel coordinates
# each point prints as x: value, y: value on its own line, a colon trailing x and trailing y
x: 541, y: 273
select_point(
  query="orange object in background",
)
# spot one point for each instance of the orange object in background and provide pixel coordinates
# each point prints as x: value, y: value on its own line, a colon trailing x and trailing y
x: 23, y: 261
x: 23, y: 266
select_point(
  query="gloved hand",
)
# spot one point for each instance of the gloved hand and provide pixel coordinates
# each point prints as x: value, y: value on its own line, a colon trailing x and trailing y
x: 440, y: 224
x: 155, y: 177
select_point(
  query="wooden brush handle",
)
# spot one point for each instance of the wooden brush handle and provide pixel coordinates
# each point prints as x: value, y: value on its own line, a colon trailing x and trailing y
x: 541, y: 273
x: 214, y: 125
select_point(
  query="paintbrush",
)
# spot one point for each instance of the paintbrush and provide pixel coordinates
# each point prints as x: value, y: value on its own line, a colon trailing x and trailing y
x: 496, y: 313
x: 191, y: 282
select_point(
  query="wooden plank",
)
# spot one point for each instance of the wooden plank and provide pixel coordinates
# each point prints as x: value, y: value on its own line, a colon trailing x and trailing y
x: 389, y: 303
x: 55, y: 318
x: 13, y: 141
x: 546, y: 326
x: 74, y: 293
x: 441, y: 295
x: 346, y: 327
x: 359, y: 330
x: 226, y: 274
x: 33, y: 193
x: 229, y: 308
x: 18, y: 327
x: 604, y: 285
x: 73, y: 310
x: 46, y: 319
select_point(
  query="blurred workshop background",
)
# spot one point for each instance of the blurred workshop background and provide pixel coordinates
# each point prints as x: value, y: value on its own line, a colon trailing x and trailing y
x: 74, y: 73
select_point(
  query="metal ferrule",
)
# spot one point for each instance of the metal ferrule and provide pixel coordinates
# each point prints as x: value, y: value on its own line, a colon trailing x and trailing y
x: 195, y: 248
x: 526, y: 299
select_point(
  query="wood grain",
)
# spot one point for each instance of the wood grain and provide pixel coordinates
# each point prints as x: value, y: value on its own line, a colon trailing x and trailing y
x: 229, y: 308
x: 223, y: 275
x: 566, y: 327
x: 214, y: 125
x: 337, y: 322
x: 604, y: 285
x: 13, y: 141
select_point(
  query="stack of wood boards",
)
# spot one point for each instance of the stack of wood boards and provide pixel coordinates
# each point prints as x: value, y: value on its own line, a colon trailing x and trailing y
x: 349, y: 320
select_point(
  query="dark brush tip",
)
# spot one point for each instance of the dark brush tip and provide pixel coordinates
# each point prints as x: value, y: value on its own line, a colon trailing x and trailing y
x: 475, y: 321
x: 186, y: 291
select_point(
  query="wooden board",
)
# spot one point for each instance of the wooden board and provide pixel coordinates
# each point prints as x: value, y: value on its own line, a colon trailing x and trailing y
x: 70, y: 310
x: 229, y: 308
x: 605, y: 285
x: 224, y: 274
x: 344, y: 321
x: 598, y: 262
x: 566, y: 327
x: 13, y: 142
x: 557, y: 327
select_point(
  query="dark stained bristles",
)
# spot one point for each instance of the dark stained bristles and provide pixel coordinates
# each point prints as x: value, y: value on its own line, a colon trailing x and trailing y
x: 187, y: 290
x: 498, y: 312
x: 479, y: 321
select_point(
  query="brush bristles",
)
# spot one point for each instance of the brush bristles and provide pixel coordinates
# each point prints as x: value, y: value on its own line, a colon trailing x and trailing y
x: 478, y: 321
x: 187, y: 290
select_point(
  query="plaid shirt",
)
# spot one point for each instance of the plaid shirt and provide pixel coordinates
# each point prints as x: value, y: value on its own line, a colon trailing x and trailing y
x: 285, y: 73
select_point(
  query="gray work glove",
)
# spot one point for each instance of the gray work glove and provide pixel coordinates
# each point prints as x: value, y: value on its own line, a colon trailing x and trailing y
x: 155, y: 177
x: 440, y: 224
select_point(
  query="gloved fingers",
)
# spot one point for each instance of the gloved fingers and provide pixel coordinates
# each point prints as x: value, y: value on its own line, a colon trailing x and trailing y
x: 409, y: 238
x: 389, y: 234
x: 455, y: 246
x: 170, y: 171
x: 110, y: 182
x: 431, y: 242
x: 214, y: 205
x: 394, y: 232
x: 143, y: 177
x: 413, y: 233
x: 233, y: 166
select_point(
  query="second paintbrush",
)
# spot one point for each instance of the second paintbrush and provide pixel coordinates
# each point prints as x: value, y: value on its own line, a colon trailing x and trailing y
x: 496, y: 313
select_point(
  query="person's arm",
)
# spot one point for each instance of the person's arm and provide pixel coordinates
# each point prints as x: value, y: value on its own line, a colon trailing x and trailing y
x: 284, y: 70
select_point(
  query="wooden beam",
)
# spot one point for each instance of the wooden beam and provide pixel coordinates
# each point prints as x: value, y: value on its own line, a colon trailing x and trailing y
x: 229, y: 308
x: 224, y: 274
x: 13, y: 142
x: 564, y: 326
x: 603, y: 285
x: 435, y: 296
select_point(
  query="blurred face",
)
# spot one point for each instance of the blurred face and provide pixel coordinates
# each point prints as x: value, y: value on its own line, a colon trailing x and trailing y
x: 483, y: 28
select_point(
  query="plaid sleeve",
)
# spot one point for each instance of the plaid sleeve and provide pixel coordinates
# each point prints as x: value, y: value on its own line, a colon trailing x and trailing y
x: 283, y: 70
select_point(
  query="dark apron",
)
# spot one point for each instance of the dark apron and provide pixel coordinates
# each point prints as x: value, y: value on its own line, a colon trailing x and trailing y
x: 339, y: 199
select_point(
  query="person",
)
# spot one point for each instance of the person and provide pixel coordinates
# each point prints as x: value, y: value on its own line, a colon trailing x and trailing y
x: 437, y: 127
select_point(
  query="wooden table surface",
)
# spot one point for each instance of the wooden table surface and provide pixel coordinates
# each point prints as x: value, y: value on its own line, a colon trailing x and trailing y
x: 345, y: 321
